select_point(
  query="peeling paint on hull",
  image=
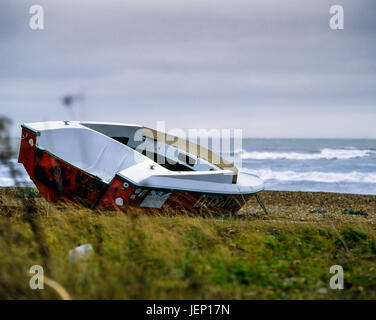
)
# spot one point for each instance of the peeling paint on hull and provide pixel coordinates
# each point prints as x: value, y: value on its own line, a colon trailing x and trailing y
x: 59, y: 181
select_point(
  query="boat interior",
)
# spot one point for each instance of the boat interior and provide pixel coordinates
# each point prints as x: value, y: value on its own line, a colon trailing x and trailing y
x: 171, y: 152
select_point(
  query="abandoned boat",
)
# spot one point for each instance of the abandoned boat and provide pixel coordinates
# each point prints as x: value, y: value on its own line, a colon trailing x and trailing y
x: 115, y: 165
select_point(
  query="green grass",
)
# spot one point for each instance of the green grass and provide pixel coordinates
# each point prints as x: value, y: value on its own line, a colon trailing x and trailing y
x: 179, y: 257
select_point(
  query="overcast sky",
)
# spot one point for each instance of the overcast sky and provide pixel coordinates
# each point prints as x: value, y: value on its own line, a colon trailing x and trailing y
x: 271, y: 68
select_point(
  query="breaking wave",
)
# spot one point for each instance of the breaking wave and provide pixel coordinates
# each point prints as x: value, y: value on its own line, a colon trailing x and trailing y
x: 7, y: 181
x: 315, y: 176
x: 323, y: 154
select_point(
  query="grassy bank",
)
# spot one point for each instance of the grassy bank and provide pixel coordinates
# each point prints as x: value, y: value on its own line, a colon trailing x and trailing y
x: 283, y: 255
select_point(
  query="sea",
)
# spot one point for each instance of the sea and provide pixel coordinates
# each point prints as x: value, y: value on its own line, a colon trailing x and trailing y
x: 327, y: 165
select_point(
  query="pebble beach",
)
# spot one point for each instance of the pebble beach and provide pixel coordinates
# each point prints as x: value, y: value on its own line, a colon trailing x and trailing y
x: 326, y: 207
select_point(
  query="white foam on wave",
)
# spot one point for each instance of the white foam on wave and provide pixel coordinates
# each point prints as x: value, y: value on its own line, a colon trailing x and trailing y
x: 6, y: 182
x: 5, y: 176
x: 323, y: 154
x: 315, y: 176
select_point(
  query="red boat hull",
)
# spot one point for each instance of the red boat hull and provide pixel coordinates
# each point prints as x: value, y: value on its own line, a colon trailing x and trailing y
x: 59, y: 181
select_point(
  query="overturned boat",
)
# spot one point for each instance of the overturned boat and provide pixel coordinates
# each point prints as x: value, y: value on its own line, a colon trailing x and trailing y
x: 114, y: 165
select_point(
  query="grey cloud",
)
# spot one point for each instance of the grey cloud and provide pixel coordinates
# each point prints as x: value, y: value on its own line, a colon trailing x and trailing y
x: 249, y: 55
